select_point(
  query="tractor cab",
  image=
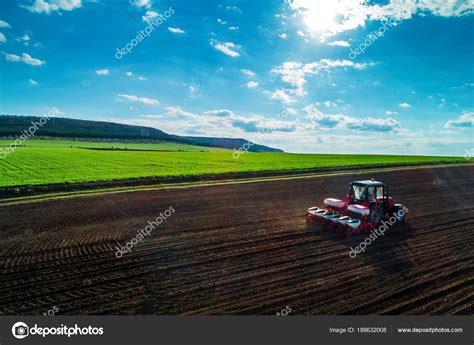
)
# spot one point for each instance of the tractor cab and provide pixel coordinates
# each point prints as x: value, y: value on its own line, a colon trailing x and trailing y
x: 365, y: 192
x: 369, y: 196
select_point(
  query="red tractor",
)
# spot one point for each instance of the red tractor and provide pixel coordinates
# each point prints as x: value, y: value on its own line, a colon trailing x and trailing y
x: 365, y: 206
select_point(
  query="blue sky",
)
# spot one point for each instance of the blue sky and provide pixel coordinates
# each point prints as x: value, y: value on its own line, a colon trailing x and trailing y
x: 290, y: 74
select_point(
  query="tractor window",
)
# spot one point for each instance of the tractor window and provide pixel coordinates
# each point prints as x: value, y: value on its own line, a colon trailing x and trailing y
x: 371, y: 193
x: 359, y: 192
x: 379, y: 192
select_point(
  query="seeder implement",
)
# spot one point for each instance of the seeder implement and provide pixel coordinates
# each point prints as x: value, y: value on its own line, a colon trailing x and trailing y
x: 362, y: 210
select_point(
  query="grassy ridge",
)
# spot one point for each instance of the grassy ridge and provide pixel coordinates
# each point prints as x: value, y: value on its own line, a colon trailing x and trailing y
x: 58, y: 163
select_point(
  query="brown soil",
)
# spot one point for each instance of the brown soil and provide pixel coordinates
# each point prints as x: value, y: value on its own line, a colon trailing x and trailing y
x: 28, y: 190
x: 241, y: 249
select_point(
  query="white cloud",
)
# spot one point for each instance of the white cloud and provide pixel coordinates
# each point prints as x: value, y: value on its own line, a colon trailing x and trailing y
x: 405, y: 9
x: 329, y: 104
x: 404, y: 105
x: 293, y: 72
x: 12, y: 57
x: 33, y: 82
x: 4, y: 24
x: 388, y: 112
x: 321, y: 120
x: 220, y: 21
x: 220, y: 112
x: 102, y: 71
x: 233, y: 28
x: 262, y: 125
x: 221, y: 121
x: 233, y: 8
x: 141, y: 3
x: 252, y: 84
x: 48, y: 6
x: 283, y: 36
x: 374, y: 125
x: 176, y: 30
x: 328, y: 64
x: 282, y: 96
x: 143, y: 100
x: 214, y: 123
x: 3, y: 39
x: 25, y: 39
x: 226, y: 48
x: 339, y: 43
x: 248, y: 72
x: 463, y: 121
x: 252, y: 124
x: 326, y: 18
x: 297, y: 137
x: 149, y: 15
x: 25, y: 58
x: 193, y: 91
x: 132, y: 75
x: 178, y: 111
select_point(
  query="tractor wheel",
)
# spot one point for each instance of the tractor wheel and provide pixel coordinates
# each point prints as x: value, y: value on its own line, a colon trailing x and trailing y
x: 395, y: 213
x: 379, y: 215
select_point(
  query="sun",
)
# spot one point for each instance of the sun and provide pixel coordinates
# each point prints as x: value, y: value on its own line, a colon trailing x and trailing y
x: 325, y: 18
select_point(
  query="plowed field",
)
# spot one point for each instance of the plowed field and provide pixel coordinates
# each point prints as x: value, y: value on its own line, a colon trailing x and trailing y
x: 241, y: 249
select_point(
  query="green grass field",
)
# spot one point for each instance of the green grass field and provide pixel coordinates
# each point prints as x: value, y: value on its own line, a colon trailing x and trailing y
x: 54, y: 161
x: 109, y: 145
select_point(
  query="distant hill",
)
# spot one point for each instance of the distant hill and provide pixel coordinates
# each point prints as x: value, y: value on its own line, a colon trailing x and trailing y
x: 13, y: 125
x: 231, y: 143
